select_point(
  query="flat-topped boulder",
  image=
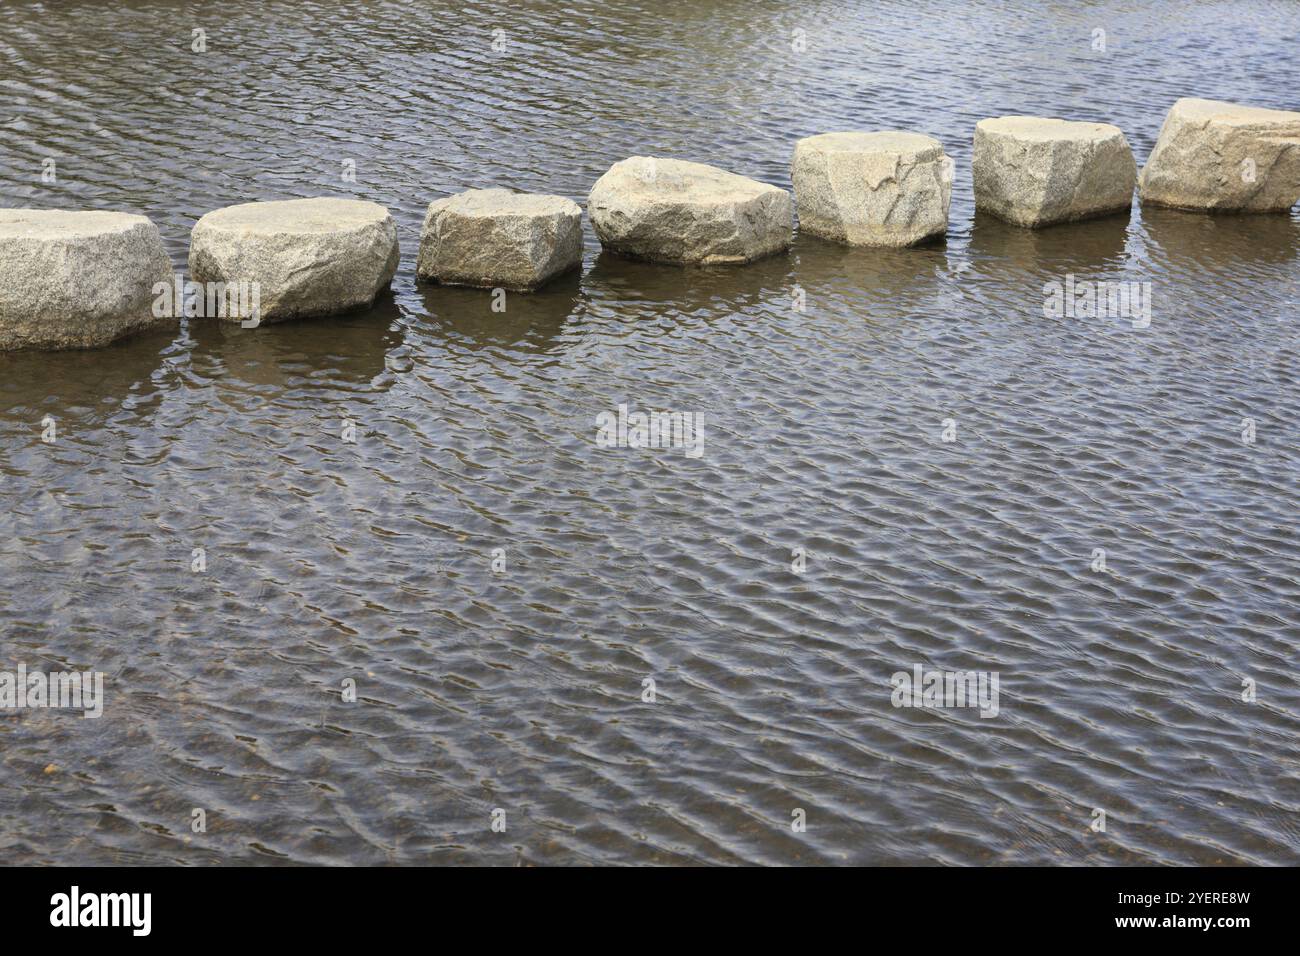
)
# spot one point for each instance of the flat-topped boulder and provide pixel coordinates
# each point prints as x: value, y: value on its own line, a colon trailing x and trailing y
x: 887, y: 188
x: 308, y: 257
x: 1222, y: 157
x: 78, y: 279
x: 1034, y: 171
x: 494, y: 238
x: 670, y: 210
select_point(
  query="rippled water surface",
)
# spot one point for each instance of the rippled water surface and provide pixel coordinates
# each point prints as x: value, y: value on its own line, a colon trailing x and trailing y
x: 522, y: 690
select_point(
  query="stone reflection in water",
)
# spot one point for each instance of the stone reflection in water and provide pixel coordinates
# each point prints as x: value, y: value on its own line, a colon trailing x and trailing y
x: 323, y: 353
x: 1224, y: 246
x: 884, y: 280
x: 541, y: 321
x: 650, y: 289
x: 87, y: 382
x: 1002, y: 251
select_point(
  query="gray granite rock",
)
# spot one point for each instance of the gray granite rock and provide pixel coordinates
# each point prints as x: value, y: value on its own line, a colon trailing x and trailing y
x: 1034, y: 171
x: 1222, y: 157
x: 78, y: 279
x: 670, y: 210
x: 872, y: 189
x: 308, y: 257
x: 493, y: 238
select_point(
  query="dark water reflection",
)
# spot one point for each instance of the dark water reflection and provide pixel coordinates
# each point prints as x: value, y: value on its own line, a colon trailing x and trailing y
x: 536, y: 323
x: 371, y: 560
x: 1085, y: 248
x: 349, y: 352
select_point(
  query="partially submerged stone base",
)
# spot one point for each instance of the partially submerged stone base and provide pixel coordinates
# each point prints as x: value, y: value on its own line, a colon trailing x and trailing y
x: 1220, y: 157
x: 77, y: 279
x: 493, y: 238
x: 872, y: 189
x: 308, y: 257
x: 670, y: 210
x: 1034, y: 171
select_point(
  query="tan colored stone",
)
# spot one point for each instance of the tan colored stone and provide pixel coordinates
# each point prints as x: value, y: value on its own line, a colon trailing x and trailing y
x: 1221, y: 157
x: 77, y: 279
x: 1034, y: 171
x: 309, y: 257
x: 886, y: 188
x: 493, y: 238
x: 670, y: 210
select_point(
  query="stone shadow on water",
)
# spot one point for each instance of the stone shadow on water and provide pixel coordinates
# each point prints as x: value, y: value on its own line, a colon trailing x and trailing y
x: 320, y: 353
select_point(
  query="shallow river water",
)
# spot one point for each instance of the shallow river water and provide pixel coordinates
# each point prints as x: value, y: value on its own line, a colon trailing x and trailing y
x: 523, y: 687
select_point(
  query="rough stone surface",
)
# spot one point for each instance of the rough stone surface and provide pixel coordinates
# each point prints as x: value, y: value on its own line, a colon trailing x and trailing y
x: 1223, y: 157
x: 310, y: 257
x: 77, y: 279
x: 1034, y: 171
x: 493, y: 238
x: 670, y: 210
x: 872, y: 189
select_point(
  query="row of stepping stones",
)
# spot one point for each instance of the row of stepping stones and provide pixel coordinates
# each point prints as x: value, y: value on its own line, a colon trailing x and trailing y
x: 84, y: 279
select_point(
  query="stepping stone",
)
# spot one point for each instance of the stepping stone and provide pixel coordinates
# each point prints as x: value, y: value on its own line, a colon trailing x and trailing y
x: 1221, y: 157
x: 78, y: 279
x: 1033, y: 171
x: 493, y: 238
x: 670, y: 210
x: 308, y: 257
x: 872, y: 189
